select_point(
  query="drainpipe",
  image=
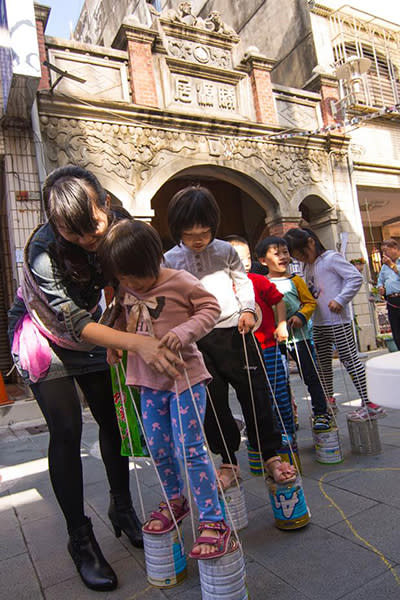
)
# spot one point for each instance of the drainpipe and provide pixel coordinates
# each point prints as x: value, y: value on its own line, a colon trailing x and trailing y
x: 39, y: 151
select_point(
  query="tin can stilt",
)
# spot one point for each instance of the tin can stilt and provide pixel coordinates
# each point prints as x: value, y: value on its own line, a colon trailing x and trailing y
x: 288, y: 504
x: 364, y: 437
x: 165, y: 558
x: 224, y: 578
x: 255, y: 461
x: 233, y: 506
x: 327, y: 446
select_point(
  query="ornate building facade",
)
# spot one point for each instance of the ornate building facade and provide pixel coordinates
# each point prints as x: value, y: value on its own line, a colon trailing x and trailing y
x: 156, y: 101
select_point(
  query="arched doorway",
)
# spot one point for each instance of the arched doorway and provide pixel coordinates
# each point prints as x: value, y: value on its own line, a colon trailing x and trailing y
x: 243, y: 208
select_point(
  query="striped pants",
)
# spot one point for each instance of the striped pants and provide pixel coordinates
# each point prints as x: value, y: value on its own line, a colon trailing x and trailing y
x: 279, y: 383
x: 341, y: 335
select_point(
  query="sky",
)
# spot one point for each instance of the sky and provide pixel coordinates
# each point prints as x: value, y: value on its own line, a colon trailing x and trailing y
x: 64, y: 12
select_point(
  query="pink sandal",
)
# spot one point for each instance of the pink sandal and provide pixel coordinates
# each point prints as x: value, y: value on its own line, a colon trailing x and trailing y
x: 269, y: 470
x: 220, y: 543
x: 227, y: 476
x: 180, y: 511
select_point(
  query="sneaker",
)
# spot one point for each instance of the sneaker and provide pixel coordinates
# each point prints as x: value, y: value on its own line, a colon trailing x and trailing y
x: 368, y: 411
x: 374, y: 410
x: 321, y: 422
x: 287, y: 439
x: 331, y: 402
x: 359, y: 414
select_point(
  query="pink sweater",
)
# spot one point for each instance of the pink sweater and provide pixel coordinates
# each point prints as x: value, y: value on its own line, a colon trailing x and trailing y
x: 179, y: 303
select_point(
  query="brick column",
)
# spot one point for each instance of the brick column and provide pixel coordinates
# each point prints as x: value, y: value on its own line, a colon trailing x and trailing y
x: 327, y: 86
x: 42, y: 15
x: 280, y: 225
x: 259, y: 68
x: 138, y: 42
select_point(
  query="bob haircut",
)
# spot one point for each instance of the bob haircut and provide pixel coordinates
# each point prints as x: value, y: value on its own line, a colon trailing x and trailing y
x: 70, y: 194
x: 264, y: 245
x: 131, y: 248
x: 297, y: 240
x: 194, y: 205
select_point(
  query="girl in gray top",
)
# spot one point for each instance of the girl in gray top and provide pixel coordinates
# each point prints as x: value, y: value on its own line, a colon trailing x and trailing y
x: 333, y: 282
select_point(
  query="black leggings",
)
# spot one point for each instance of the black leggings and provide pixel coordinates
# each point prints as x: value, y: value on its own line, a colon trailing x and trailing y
x: 60, y: 405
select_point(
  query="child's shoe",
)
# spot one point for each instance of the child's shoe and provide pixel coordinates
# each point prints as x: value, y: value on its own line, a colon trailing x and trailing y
x: 288, y: 439
x: 322, y: 422
x: 370, y: 410
x: 374, y: 410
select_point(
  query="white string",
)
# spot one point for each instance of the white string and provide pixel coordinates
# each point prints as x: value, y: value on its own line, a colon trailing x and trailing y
x: 301, y: 373
x: 276, y: 404
x: 188, y: 487
x: 138, y: 417
x: 356, y: 374
x: 253, y: 405
x: 304, y: 383
x: 323, y: 386
x: 122, y: 398
x: 222, y: 492
x: 222, y: 435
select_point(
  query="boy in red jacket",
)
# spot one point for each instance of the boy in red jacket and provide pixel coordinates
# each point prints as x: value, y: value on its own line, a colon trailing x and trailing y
x: 269, y: 333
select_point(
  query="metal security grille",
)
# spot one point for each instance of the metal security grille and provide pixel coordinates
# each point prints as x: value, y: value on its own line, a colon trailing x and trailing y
x: 5, y: 282
x: 356, y: 33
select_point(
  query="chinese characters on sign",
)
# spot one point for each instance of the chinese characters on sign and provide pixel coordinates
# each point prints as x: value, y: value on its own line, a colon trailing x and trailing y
x: 205, y: 94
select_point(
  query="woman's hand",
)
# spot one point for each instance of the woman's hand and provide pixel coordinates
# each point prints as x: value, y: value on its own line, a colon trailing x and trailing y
x: 246, y: 322
x: 158, y: 357
x: 113, y: 356
x: 171, y: 341
x: 334, y: 306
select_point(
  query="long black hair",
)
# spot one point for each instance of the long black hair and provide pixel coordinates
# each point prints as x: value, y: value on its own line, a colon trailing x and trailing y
x: 70, y: 195
x: 297, y: 240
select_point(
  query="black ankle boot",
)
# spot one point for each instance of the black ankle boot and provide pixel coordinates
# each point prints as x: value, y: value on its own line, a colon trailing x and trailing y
x: 124, y: 518
x: 93, y: 568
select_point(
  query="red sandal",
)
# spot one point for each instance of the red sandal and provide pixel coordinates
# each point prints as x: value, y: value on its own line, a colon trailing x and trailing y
x: 180, y: 511
x: 220, y: 543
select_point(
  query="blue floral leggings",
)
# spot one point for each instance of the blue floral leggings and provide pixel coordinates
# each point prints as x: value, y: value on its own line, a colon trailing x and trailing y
x: 165, y: 439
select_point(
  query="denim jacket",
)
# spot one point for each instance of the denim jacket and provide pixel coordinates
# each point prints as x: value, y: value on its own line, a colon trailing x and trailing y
x: 72, y: 301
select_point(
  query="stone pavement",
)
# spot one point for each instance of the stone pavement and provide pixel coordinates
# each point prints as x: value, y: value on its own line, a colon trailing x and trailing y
x: 349, y: 551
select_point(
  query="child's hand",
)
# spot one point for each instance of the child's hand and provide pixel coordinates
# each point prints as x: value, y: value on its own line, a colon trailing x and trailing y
x: 171, y: 341
x: 113, y: 356
x: 334, y: 306
x: 247, y: 322
x: 295, y: 322
x: 281, y: 332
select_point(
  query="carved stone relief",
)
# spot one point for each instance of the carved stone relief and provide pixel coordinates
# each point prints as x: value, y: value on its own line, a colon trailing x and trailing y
x: 291, y: 113
x: 199, y: 53
x: 134, y: 153
x: 183, y: 14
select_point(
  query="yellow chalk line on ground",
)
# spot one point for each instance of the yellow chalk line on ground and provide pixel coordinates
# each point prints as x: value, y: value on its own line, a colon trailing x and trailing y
x: 347, y: 521
x: 146, y: 589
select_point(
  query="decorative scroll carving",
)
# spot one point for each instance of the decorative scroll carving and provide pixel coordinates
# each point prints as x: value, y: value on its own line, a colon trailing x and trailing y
x: 199, y: 53
x: 134, y: 153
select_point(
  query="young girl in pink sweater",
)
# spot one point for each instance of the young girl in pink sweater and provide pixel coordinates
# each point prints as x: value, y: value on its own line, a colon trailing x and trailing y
x: 174, y: 307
